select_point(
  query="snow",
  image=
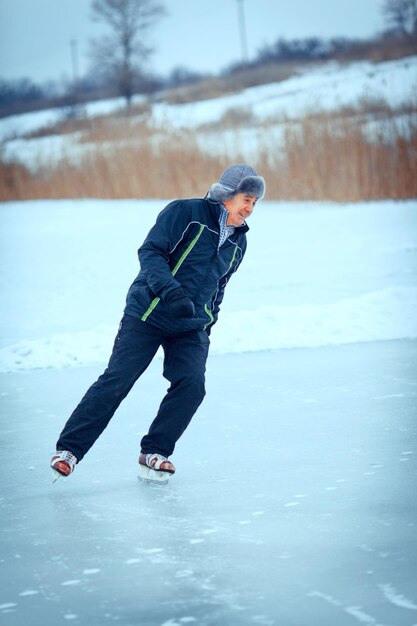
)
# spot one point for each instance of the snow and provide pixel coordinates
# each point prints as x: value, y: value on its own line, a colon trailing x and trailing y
x: 329, y: 86
x: 306, y: 283
x: 295, y: 484
x: 25, y: 123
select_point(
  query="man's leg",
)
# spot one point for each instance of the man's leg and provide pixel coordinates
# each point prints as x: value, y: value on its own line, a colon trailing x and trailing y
x: 134, y: 348
x: 184, y: 366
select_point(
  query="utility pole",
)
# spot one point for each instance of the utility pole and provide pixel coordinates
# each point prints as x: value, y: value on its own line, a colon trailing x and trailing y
x: 74, y: 61
x: 75, y: 112
x: 242, y: 30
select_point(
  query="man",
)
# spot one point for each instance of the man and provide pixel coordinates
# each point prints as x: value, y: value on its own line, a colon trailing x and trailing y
x: 186, y: 261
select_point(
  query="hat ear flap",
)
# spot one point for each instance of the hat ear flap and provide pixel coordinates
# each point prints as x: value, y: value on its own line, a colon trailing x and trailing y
x: 253, y: 186
x: 220, y: 193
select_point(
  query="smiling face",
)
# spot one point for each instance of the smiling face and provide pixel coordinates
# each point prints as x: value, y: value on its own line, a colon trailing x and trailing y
x: 239, y: 208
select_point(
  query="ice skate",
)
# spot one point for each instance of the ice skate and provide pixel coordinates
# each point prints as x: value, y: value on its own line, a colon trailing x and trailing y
x: 63, y: 463
x: 155, y: 468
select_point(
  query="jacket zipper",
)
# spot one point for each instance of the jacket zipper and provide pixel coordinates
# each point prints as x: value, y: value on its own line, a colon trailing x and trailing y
x: 207, y: 310
x: 175, y: 270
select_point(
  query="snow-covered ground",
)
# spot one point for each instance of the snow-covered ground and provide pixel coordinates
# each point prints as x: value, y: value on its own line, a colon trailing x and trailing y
x: 315, y: 274
x: 294, y: 498
x: 328, y: 87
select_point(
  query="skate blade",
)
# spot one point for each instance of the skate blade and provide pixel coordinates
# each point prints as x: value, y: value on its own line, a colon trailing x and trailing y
x: 55, y: 476
x: 152, y: 476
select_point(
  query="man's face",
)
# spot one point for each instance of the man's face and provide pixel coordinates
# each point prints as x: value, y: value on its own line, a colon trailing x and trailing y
x: 239, y: 208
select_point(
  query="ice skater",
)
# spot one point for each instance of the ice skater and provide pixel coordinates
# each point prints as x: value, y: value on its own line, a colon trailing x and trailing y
x: 186, y: 262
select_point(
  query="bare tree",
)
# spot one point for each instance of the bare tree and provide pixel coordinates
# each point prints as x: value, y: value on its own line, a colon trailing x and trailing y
x: 401, y: 15
x: 121, y: 53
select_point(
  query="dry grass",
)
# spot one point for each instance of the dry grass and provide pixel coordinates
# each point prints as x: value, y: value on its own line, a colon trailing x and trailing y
x: 321, y: 157
x: 215, y: 87
x: 334, y: 159
x: 132, y: 171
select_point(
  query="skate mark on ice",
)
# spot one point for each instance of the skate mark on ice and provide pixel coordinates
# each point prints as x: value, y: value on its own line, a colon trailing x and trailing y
x: 290, y: 504
x: 70, y: 583
x: 324, y: 596
x: 70, y: 616
x: 262, y: 619
x: 152, y: 550
x: 406, y: 455
x: 28, y: 592
x: 185, y: 573
x: 179, y: 621
x: 152, y: 555
x: 90, y: 572
x: 396, y: 598
x: 8, y: 607
x: 366, y: 548
x: 133, y: 561
x: 354, y: 611
x: 361, y: 616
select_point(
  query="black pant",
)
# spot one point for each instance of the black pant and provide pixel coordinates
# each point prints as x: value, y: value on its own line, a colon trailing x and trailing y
x: 134, y: 348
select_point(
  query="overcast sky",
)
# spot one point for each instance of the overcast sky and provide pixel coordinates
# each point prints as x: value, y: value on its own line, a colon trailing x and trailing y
x: 201, y: 35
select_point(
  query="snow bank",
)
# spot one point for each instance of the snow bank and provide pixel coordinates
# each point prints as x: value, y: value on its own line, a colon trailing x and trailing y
x: 381, y: 315
x: 319, y: 274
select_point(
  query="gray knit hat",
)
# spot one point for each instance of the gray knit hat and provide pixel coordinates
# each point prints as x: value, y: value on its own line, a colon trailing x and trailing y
x: 238, y: 178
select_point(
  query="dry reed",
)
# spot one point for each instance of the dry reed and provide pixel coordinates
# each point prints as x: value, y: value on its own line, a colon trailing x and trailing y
x: 322, y: 157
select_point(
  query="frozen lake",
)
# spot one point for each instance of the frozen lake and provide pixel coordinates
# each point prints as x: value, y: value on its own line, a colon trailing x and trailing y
x: 293, y: 503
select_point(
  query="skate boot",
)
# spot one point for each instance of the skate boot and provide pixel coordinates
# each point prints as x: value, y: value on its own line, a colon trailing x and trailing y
x: 63, y: 463
x: 155, y: 468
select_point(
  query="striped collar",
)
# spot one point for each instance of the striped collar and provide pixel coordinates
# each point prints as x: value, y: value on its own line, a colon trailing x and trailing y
x: 225, y: 230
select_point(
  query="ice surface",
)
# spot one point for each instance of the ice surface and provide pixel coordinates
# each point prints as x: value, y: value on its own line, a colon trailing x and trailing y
x: 293, y: 502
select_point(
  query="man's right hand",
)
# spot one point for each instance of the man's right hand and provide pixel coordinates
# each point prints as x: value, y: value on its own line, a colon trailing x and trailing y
x: 179, y: 304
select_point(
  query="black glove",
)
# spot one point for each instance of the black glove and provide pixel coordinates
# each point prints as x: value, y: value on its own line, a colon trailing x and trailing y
x: 179, y: 304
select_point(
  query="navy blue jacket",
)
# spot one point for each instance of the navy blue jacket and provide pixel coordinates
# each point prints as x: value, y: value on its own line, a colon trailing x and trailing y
x: 182, y: 250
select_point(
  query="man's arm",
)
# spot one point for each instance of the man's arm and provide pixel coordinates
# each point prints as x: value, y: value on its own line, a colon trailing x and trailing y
x: 170, y: 228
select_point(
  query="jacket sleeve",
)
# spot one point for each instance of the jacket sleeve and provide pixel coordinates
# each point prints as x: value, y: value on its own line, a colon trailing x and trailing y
x: 219, y: 295
x: 170, y: 228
